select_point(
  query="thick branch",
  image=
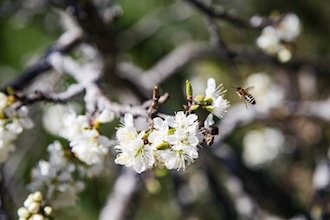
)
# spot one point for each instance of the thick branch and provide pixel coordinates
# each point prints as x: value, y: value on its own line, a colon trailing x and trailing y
x: 120, y: 200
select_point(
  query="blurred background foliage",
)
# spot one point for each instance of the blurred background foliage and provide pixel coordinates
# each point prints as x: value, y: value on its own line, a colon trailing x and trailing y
x: 146, y: 31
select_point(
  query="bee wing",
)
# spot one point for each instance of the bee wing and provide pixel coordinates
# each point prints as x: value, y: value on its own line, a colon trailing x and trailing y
x: 249, y: 88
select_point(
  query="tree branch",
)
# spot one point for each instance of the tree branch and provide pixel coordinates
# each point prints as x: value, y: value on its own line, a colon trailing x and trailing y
x: 125, y: 190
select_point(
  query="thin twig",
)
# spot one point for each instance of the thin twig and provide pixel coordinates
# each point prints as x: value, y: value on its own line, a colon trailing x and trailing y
x: 220, y: 14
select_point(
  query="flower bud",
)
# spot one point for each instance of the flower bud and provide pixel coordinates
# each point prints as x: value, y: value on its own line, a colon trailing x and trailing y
x: 23, y: 212
x: 208, y: 101
x: 37, y: 217
x: 37, y: 196
x: 28, y: 200
x: 163, y: 146
x: 194, y: 107
x: 199, y: 98
x: 48, y: 210
x: 210, y: 108
x: 189, y: 91
x: 34, y: 207
x: 171, y: 131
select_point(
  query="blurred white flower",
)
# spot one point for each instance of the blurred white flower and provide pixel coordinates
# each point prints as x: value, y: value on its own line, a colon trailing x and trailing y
x: 289, y: 27
x: 90, y: 147
x: 214, y: 94
x: 267, y: 93
x: 269, y: 41
x: 73, y: 125
x: 18, y: 120
x: 13, y: 121
x: 3, y: 101
x: 261, y: 147
x: 86, y: 142
x: 321, y: 177
x: 272, y: 37
x: 7, y: 146
x: 56, y: 178
x: 284, y: 55
x: 57, y: 119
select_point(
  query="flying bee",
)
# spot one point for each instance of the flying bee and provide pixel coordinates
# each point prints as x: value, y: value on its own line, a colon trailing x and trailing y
x: 243, y: 94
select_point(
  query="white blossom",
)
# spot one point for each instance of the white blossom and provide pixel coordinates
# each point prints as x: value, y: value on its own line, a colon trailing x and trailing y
x: 55, y: 116
x: 208, y: 121
x: 90, y: 147
x: 173, y: 159
x: 183, y: 142
x: 159, y: 134
x: 105, y: 116
x: 86, y: 142
x: 182, y: 122
x: 134, y: 153
x: 219, y: 106
x: 127, y: 132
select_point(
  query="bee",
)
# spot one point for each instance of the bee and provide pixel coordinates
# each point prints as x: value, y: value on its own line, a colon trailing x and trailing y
x: 243, y: 94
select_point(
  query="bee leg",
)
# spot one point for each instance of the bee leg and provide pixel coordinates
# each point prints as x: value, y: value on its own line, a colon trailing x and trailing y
x: 246, y: 106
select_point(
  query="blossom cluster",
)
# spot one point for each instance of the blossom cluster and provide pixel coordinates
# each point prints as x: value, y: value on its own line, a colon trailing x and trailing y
x: 34, y: 209
x: 274, y: 37
x: 173, y: 141
x: 13, y: 121
x: 57, y: 178
x: 86, y: 142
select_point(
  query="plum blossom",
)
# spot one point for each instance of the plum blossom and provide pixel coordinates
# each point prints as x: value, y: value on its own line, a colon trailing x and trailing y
x: 183, y: 141
x: 159, y: 135
x: 214, y: 94
x: 133, y: 151
x: 86, y: 142
x: 106, y: 116
x: 182, y: 122
x: 90, y: 147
